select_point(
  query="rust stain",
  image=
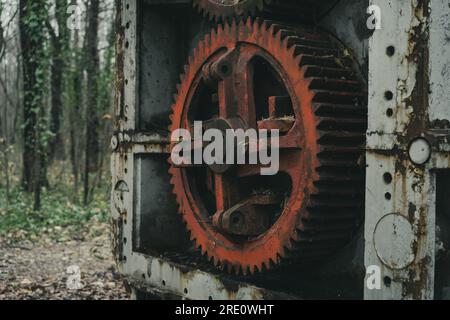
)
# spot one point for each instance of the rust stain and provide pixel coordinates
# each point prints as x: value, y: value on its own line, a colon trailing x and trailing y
x: 419, y: 99
x: 120, y: 58
x: 419, y: 123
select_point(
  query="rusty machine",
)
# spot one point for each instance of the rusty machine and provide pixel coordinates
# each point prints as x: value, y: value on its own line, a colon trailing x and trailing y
x: 359, y: 91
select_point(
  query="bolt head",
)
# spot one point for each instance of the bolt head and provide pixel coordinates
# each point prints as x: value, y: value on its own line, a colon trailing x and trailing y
x: 114, y: 143
x: 420, y: 151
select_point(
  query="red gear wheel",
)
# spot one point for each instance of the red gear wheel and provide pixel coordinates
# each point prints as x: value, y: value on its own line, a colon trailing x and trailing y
x: 223, y: 9
x: 321, y: 146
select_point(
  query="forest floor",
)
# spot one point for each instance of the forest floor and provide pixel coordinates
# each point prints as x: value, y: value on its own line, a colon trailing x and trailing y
x: 61, y: 252
x: 39, y: 270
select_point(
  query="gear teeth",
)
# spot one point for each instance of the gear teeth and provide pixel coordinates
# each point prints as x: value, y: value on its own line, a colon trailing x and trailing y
x: 186, y: 67
x: 199, y: 51
x: 234, y: 26
x: 241, y: 24
x: 236, y: 271
x: 215, y: 262
x: 216, y: 11
x: 291, y: 50
x: 289, y: 245
x: 175, y: 96
x: 265, y: 267
x: 265, y: 26
x: 229, y: 267
x: 226, y: 29
x: 182, y: 77
x: 273, y: 263
x: 257, y: 24
x: 220, y: 31
x: 195, y: 54
x: 248, y: 22
x: 285, y: 44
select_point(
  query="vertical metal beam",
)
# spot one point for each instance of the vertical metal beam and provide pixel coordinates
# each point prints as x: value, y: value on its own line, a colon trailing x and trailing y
x: 440, y: 63
x: 400, y: 210
x: 122, y: 165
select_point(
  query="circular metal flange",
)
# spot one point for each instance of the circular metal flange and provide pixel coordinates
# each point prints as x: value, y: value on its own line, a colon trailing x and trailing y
x: 394, y: 241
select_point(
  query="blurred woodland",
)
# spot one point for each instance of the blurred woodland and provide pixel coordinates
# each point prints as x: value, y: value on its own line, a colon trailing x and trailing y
x: 56, y: 89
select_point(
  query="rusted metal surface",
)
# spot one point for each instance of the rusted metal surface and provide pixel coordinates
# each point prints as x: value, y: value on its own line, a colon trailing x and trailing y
x: 120, y: 56
x: 122, y: 165
x: 402, y: 152
x: 174, y: 281
x: 321, y: 146
x: 139, y: 142
x: 243, y: 219
x: 221, y: 10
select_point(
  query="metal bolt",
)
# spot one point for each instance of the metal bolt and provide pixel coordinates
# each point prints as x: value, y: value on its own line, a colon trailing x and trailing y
x: 114, y: 143
x: 420, y: 151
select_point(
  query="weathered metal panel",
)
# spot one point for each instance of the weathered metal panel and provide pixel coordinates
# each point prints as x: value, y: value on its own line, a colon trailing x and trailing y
x: 161, y: 56
x: 155, y: 210
x: 400, y: 210
x: 440, y: 63
x: 151, y: 273
x: 128, y: 123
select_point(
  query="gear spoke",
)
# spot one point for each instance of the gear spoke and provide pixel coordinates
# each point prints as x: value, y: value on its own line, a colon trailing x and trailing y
x: 288, y: 163
x: 227, y: 102
x: 244, y: 87
x: 225, y: 195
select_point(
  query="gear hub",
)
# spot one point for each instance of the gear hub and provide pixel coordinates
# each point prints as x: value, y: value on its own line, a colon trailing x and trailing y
x: 264, y: 75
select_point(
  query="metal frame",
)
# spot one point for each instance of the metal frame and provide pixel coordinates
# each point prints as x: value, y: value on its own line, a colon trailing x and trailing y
x: 419, y: 32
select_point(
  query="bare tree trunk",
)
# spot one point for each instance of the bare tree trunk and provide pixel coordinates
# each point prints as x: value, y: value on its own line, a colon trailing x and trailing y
x: 59, y: 47
x: 5, y: 144
x: 76, y: 84
x: 56, y: 110
x: 92, y: 119
x: 32, y: 21
x: 29, y: 82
